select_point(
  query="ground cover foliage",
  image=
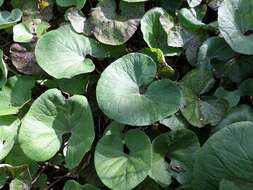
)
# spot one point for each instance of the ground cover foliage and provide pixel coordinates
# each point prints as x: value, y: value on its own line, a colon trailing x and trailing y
x: 126, y: 94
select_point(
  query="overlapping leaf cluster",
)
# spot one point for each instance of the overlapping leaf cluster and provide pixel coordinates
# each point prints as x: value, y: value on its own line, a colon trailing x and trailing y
x: 126, y: 94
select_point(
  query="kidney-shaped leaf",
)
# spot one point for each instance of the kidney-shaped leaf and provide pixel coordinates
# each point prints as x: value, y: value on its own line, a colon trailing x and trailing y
x: 8, y: 19
x: 51, y: 116
x: 62, y: 53
x: 8, y: 132
x: 126, y: 93
x: 114, y: 24
x: 235, y: 24
x: 73, y: 185
x: 123, y: 161
x: 226, y: 155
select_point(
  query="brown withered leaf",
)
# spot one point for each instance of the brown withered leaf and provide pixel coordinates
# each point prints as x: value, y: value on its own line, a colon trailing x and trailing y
x: 23, y: 60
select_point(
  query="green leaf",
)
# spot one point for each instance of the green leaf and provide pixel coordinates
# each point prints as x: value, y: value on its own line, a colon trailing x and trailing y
x: 8, y: 132
x: 246, y: 87
x: 175, y: 122
x: 231, y: 185
x: 15, y: 93
x: 236, y: 114
x: 235, y: 21
x: 62, y: 53
x: 190, y: 21
x: 238, y: 69
x: 214, y: 48
x: 226, y: 155
x: 24, y: 32
x: 119, y: 169
x: 163, y: 69
x: 21, y: 33
x: 194, y: 84
x: 73, y: 185
x: 178, y: 145
x: 17, y: 184
x: 67, y: 3
x: 3, y: 70
x: 114, y: 25
x: 1, y: 2
x: 153, y: 31
x: 126, y: 93
x: 232, y: 97
x: 194, y: 3
x: 51, y: 116
x: 8, y: 19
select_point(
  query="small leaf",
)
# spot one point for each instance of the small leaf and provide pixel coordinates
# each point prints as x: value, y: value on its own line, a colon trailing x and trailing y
x: 153, y: 32
x: 12, y: 97
x: 8, y: 19
x: 119, y: 169
x: 8, y: 132
x: 178, y: 145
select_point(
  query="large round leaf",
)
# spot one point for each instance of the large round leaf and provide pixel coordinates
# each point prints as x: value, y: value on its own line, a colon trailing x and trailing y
x: 153, y: 31
x: 62, y: 53
x: 126, y: 93
x: 114, y: 22
x: 8, y: 19
x: 226, y: 155
x: 15, y: 93
x: 67, y: 3
x: 235, y: 23
x: 8, y: 132
x: 179, y: 145
x: 51, y: 116
x: 119, y: 169
x: 3, y: 70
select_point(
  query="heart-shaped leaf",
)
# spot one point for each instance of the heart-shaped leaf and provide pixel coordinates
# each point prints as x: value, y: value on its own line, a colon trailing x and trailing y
x: 114, y: 22
x: 13, y: 97
x: 73, y: 185
x: 3, y: 70
x: 126, y: 93
x: 8, y: 132
x: 123, y: 161
x: 226, y: 155
x: 67, y: 3
x: 62, y: 52
x: 177, y: 145
x: 235, y: 24
x: 8, y: 19
x: 51, y: 116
